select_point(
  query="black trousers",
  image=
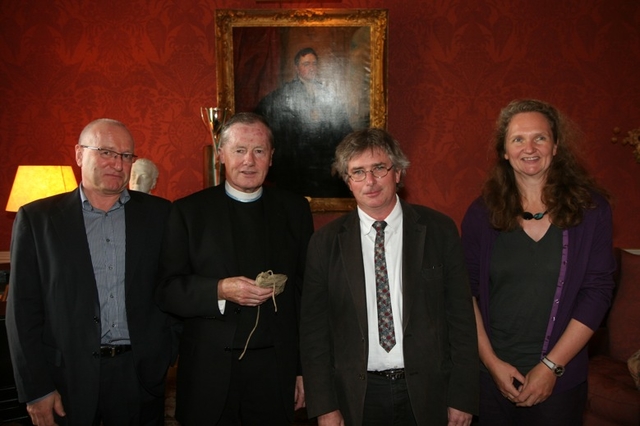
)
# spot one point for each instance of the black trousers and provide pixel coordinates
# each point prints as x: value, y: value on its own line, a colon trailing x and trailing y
x: 254, y: 397
x: 387, y: 402
x: 123, y: 401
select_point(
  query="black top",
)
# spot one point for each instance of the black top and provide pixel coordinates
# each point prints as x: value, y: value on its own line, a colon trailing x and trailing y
x: 249, y: 230
x: 524, y: 275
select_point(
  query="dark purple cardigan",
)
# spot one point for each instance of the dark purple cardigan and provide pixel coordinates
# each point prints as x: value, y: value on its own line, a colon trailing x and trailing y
x: 585, y: 286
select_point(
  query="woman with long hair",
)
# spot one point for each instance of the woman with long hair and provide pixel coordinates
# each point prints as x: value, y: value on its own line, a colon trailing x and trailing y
x: 538, y: 247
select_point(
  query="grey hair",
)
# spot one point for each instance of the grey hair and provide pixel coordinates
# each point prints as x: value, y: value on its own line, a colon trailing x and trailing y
x: 359, y: 141
x: 244, y: 118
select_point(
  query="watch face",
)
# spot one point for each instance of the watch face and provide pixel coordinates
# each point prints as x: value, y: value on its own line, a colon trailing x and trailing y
x: 558, y: 371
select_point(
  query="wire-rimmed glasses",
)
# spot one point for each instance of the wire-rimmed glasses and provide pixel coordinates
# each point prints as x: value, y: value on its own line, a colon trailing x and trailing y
x: 107, y: 154
x: 377, y: 172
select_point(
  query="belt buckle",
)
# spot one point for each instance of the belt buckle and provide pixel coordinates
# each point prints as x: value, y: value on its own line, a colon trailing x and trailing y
x: 395, y: 374
x: 113, y: 351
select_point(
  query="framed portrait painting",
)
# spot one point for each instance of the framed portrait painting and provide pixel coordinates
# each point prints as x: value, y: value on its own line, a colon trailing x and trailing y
x: 315, y: 75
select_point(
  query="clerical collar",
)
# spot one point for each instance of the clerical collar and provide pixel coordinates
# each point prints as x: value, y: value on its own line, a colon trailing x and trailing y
x: 243, y: 197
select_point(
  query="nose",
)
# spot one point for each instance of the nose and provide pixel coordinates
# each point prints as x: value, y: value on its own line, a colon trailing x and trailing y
x: 249, y: 158
x: 529, y: 145
x: 118, y: 162
x: 369, y: 178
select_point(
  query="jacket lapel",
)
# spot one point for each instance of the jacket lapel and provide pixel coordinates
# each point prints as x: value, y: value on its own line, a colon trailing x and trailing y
x: 351, y: 258
x: 218, y: 233
x: 135, y: 238
x: 413, y: 241
x: 71, y: 237
x: 276, y: 226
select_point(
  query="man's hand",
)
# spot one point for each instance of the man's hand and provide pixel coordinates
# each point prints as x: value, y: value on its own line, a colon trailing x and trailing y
x: 299, y: 400
x: 458, y: 418
x: 243, y: 291
x: 41, y: 412
x: 334, y: 418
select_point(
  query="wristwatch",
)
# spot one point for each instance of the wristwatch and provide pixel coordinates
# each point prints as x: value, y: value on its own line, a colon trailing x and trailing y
x: 558, y: 370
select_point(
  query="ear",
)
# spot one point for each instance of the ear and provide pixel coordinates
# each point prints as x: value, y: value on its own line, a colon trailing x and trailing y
x: 79, y: 153
x: 348, y: 182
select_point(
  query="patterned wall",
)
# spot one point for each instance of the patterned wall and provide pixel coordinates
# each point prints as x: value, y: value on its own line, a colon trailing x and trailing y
x: 451, y: 66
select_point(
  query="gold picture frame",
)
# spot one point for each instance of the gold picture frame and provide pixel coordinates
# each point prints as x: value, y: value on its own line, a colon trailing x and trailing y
x: 243, y: 81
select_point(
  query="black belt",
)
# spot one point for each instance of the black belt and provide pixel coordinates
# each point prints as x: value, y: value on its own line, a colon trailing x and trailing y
x: 110, y: 351
x: 394, y: 374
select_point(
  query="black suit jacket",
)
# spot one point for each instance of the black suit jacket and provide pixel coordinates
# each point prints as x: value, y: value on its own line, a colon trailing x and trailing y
x: 198, y: 252
x: 440, y: 343
x: 53, y: 313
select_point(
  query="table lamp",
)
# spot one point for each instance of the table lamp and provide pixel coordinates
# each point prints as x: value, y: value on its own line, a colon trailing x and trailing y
x: 35, y: 182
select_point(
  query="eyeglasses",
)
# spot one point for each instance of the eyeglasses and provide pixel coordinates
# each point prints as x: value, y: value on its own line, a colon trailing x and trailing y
x: 378, y: 172
x: 107, y: 154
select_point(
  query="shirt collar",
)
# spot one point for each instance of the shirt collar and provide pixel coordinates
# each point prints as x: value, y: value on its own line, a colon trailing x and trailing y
x: 394, y: 219
x: 86, y: 204
x: 243, y: 197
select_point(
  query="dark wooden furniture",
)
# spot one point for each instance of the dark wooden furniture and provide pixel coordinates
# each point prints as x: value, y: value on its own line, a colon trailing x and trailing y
x: 11, y: 411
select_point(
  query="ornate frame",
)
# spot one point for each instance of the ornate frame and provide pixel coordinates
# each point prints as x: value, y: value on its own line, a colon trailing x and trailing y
x: 375, y: 19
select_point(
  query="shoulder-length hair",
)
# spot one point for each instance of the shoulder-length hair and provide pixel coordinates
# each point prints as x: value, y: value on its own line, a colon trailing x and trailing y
x: 568, y: 188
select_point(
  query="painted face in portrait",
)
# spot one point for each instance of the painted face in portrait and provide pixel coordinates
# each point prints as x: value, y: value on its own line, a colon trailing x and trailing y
x: 529, y: 145
x: 307, y: 68
x: 246, y: 156
x: 376, y: 196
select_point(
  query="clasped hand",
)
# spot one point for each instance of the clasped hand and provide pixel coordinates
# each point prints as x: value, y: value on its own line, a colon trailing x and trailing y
x: 530, y: 390
x: 243, y: 291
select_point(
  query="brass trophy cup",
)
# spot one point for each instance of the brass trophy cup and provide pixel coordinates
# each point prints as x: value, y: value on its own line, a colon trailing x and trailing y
x: 214, y: 118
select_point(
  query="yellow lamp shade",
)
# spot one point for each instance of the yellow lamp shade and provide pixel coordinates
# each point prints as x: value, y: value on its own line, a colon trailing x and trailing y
x: 35, y: 182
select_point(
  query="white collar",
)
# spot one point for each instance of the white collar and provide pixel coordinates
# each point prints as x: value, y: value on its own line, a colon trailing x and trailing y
x: 243, y: 197
x: 394, y: 219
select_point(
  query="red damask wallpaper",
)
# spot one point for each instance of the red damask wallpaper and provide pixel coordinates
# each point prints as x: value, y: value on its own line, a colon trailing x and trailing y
x: 451, y: 66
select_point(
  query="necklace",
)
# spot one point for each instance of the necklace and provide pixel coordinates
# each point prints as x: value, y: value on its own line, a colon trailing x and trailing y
x: 529, y: 216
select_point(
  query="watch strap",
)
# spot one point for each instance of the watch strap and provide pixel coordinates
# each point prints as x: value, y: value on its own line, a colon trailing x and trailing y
x: 558, y: 370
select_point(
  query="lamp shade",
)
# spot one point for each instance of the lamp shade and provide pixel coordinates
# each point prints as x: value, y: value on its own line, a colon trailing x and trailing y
x: 35, y: 182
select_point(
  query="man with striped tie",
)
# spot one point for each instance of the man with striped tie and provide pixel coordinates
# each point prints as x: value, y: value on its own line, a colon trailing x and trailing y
x: 387, y: 326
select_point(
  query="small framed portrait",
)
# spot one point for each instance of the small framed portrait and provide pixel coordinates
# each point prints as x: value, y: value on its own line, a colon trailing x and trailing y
x: 315, y: 75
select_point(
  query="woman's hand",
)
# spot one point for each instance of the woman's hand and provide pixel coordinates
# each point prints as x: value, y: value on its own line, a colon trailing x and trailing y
x: 507, y: 378
x: 537, y: 386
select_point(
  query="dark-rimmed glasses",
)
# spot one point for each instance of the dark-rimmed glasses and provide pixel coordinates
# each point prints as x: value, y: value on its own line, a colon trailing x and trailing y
x: 107, y: 154
x: 377, y: 172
